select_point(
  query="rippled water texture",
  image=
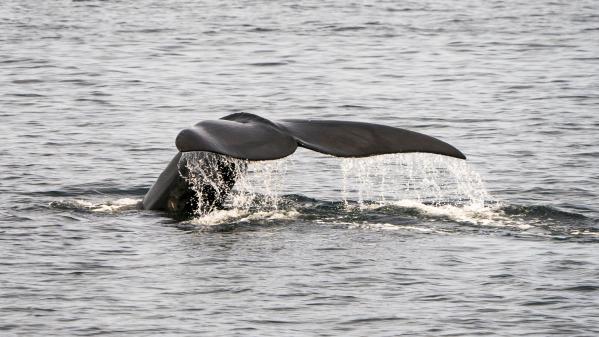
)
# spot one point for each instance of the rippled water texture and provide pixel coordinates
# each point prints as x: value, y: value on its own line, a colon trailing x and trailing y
x: 506, y: 244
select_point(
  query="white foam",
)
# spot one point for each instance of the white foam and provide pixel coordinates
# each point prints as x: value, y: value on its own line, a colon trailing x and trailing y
x: 118, y: 205
x: 110, y: 206
x: 219, y: 217
x: 474, y: 215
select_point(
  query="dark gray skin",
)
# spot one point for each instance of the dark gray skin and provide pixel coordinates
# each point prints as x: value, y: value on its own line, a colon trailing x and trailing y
x: 250, y: 137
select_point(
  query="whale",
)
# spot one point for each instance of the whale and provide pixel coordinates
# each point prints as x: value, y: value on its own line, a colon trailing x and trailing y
x: 222, y: 149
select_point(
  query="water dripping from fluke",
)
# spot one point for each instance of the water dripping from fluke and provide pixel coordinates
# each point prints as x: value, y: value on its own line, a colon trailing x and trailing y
x: 418, y: 184
x: 420, y: 178
x: 416, y: 192
x: 255, y: 194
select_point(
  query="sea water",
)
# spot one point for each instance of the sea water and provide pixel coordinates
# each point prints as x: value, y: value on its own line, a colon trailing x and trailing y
x: 503, y: 244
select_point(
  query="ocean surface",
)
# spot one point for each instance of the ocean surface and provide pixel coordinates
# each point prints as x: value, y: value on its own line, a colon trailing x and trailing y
x: 93, y: 94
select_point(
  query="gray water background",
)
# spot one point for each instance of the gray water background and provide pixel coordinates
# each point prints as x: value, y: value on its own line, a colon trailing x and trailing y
x: 94, y: 93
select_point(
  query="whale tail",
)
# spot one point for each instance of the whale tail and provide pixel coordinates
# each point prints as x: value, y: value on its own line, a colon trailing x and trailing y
x: 250, y: 137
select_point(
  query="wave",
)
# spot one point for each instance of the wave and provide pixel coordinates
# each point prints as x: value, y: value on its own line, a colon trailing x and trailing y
x: 87, y: 190
x: 525, y: 221
x: 416, y: 192
x: 403, y: 215
x: 110, y: 206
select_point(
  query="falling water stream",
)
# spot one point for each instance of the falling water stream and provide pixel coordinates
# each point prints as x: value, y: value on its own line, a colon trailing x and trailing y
x: 441, y: 189
x: 432, y: 184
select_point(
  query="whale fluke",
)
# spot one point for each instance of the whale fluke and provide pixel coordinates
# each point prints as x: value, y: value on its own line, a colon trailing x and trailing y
x: 241, y: 136
x: 249, y: 137
x: 356, y: 139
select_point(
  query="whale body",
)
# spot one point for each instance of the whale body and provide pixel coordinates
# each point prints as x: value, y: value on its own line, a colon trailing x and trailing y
x: 249, y: 137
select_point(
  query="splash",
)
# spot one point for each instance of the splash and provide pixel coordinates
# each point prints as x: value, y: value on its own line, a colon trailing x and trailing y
x: 256, y: 184
x: 210, y: 176
x: 435, y: 185
x: 241, y: 216
x: 260, y: 187
x: 255, y: 196
x: 109, y: 206
x: 416, y: 193
x: 415, y: 177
